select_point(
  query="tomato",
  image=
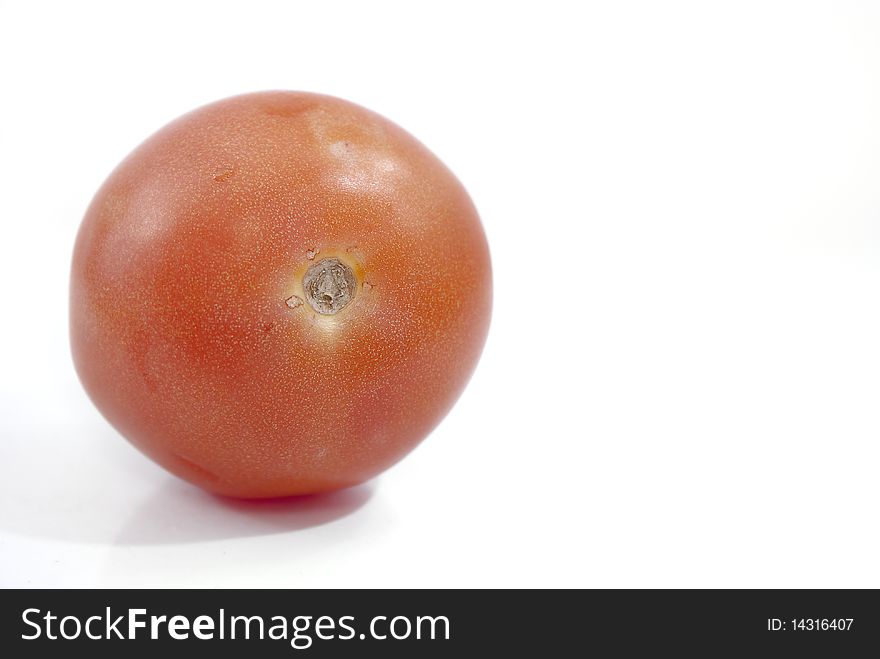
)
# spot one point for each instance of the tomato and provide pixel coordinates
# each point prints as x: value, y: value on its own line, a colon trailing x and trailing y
x: 279, y: 293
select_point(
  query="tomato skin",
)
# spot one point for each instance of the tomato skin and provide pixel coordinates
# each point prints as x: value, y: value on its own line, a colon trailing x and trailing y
x: 188, y: 326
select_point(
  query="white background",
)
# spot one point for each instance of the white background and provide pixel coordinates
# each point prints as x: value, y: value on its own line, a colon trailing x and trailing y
x: 681, y: 383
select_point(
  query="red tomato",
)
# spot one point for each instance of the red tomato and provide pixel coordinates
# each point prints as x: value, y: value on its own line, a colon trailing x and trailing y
x: 279, y: 293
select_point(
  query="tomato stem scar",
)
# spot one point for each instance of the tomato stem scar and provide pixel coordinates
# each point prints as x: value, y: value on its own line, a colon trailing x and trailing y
x: 329, y: 286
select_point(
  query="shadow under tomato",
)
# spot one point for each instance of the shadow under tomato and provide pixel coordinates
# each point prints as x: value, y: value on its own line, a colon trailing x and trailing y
x: 180, y: 513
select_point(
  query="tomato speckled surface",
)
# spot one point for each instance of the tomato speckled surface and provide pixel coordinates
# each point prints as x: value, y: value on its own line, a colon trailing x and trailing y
x: 279, y: 293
